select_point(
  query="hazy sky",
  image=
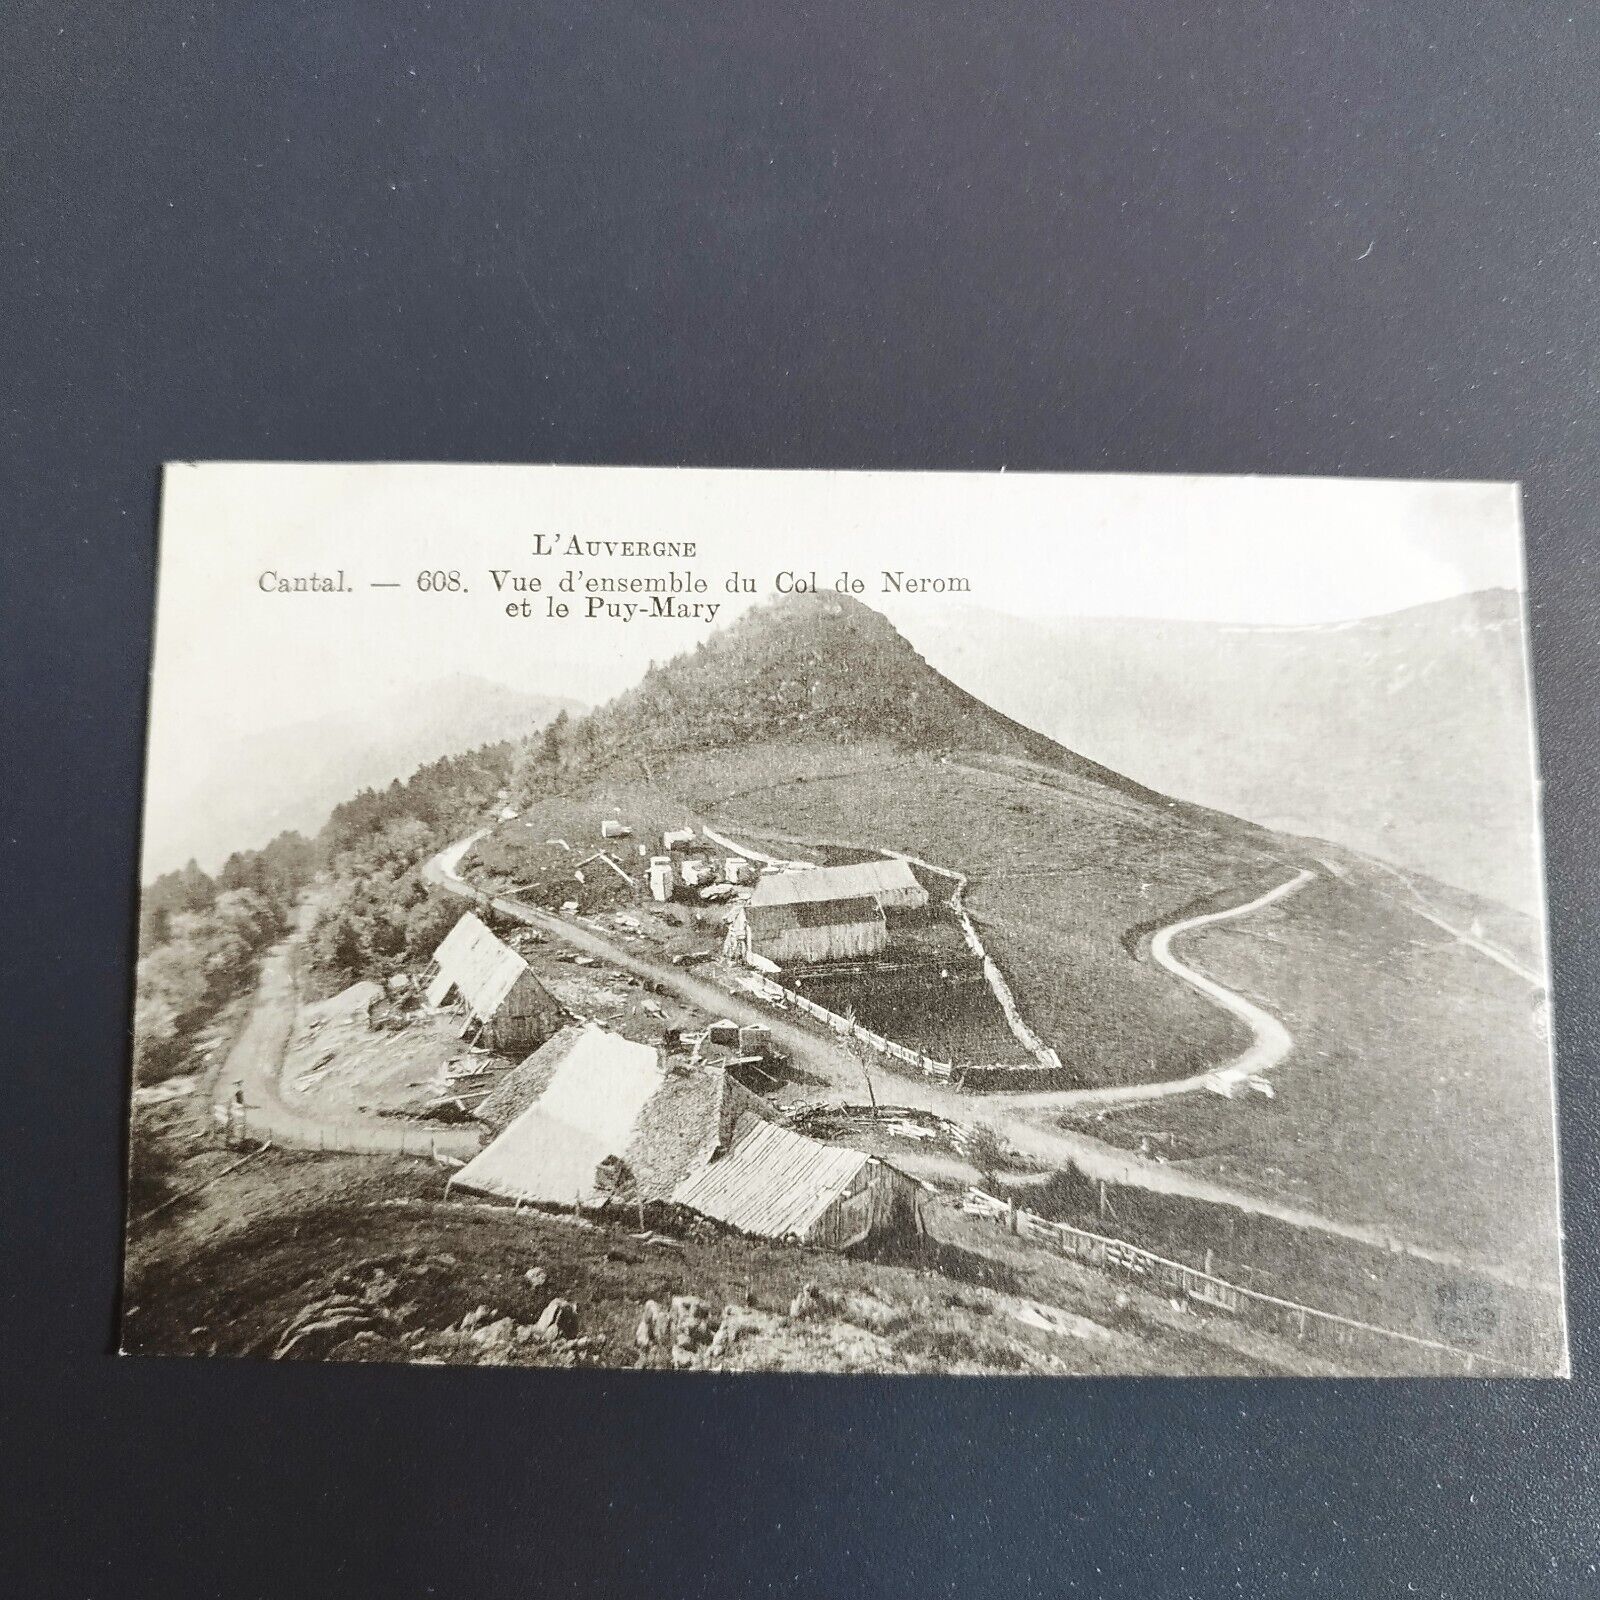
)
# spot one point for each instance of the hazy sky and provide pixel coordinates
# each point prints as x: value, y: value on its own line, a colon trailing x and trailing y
x: 231, y: 658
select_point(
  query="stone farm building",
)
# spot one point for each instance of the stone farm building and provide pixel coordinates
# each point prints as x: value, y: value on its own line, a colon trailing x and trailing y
x: 507, y: 1008
x: 824, y: 913
x: 593, y: 1119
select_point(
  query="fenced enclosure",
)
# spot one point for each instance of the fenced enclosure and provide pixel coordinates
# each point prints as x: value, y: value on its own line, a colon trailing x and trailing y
x: 930, y: 1066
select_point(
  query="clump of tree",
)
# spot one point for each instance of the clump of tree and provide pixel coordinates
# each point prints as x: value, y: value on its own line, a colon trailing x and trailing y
x: 376, y: 913
x: 200, y: 936
x: 538, y: 766
x: 199, y: 940
x: 986, y: 1150
x: 277, y: 872
x: 442, y: 797
x: 170, y: 895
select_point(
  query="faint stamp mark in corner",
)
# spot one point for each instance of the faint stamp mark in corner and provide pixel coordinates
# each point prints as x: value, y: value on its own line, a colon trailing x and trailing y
x: 1465, y: 1312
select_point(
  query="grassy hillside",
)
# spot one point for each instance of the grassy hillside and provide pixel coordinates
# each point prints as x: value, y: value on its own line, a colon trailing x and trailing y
x: 1417, y: 1096
x: 1417, y: 1092
x: 1062, y: 872
x: 820, y: 669
x: 813, y: 716
x: 371, y: 1258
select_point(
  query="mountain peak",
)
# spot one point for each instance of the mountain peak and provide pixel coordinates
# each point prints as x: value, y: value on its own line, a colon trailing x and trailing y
x: 820, y: 668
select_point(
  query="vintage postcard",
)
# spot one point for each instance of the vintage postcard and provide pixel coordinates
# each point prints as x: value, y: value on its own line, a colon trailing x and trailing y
x: 851, y: 922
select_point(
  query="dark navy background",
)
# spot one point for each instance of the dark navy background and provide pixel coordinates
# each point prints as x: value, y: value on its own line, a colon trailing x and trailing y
x: 1315, y: 237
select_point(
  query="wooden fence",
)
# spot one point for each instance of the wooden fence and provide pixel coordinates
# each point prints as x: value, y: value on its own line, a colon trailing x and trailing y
x: 776, y: 993
x: 944, y: 1071
x: 1047, y: 1058
x: 1325, y: 1330
x: 290, y: 1130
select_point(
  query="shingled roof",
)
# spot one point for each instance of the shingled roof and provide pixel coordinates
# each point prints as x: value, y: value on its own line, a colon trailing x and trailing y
x: 771, y: 1181
x: 684, y: 1124
x: 589, y: 1095
x: 889, y: 882
x: 476, y: 964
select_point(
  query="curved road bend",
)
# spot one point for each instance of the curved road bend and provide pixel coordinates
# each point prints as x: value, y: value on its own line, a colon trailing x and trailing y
x: 1270, y: 1040
x: 1051, y: 1145
x: 255, y: 1066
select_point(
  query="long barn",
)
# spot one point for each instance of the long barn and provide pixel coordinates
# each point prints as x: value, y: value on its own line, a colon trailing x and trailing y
x: 809, y: 931
x: 824, y: 913
x: 890, y: 882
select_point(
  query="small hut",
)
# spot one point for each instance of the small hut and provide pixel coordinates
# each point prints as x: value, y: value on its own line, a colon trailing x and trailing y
x: 507, y: 1009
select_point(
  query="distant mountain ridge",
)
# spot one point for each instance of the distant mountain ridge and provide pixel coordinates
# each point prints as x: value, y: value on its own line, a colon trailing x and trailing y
x: 1405, y: 736
x: 292, y: 777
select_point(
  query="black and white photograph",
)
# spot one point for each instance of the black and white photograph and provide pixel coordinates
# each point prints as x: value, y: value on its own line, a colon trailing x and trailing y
x: 852, y: 922
x: 800, y: 800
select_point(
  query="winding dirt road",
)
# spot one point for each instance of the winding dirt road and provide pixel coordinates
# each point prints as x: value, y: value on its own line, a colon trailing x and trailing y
x: 253, y: 1071
x: 1006, y: 1112
x: 1270, y: 1040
